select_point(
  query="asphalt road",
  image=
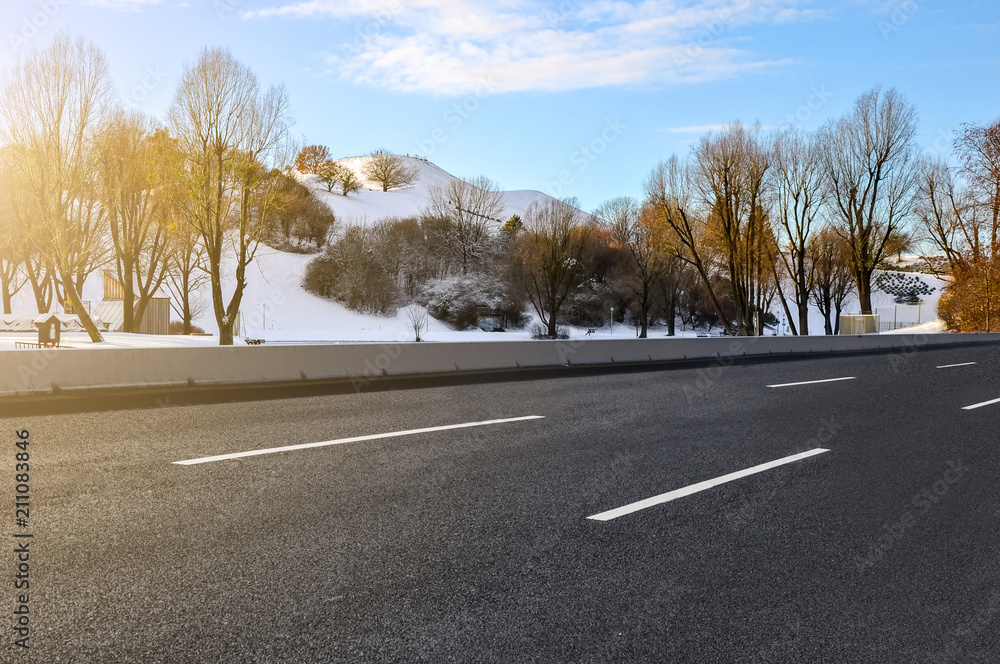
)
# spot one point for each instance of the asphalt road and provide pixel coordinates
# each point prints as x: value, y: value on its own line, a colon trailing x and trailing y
x: 474, y: 544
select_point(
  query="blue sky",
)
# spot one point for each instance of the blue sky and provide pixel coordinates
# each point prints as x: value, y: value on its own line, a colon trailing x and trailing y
x: 570, y: 97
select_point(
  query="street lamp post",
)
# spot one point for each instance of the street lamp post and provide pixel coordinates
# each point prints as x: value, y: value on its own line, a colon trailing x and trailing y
x: 612, y: 321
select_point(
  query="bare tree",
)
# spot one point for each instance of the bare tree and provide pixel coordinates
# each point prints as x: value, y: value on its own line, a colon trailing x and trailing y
x: 234, y: 136
x: 332, y: 173
x: 635, y: 230
x: 978, y: 148
x: 462, y: 218
x: 389, y: 170
x: 870, y: 168
x: 947, y: 212
x: 553, y: 242
x: 669, y: 192
x: 12, y: 277
x: 187, y: 273
x: 52, y: 104
x: 960, y: 210
x: 834, y: 279
x: 799, y: 192
x: 134, y: 162
x: 13, y: 235
x: 349, y: 181
x: 417, y: 316
x: 731, y: 169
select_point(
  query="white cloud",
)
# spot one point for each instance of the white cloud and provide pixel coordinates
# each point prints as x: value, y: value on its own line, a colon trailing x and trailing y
x: 130, y: 4
x: 453, y: 46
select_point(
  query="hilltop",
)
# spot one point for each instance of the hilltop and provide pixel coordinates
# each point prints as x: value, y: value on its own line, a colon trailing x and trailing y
x: 371, y: 203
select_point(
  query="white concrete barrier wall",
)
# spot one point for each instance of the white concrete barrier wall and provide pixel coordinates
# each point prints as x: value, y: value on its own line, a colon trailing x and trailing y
x: 41, y: 371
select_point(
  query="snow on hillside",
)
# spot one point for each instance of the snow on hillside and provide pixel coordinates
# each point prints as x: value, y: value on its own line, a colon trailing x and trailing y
x: 371, y: 203
x: 276, y: 308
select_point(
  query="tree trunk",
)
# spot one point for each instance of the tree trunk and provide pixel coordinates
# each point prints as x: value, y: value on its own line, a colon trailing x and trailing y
x: 128, y: 286
x: 836, y: 329
x: 41, y: 288
x: 644, y: 315
x: 825, y: 304
x: 226, y: 334
x: 6, y: 293
x: 784, y: 302
x: 77, y: 302
x: 187, y: 314
x: 865, y: 293
x: 804, y: 317
x: 221, y: 317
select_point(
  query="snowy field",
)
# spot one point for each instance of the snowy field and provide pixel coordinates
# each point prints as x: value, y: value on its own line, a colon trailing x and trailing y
x: 277, y: 309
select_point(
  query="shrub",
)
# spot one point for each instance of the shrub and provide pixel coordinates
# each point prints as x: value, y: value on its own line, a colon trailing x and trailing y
x: 177, y: 327
x: 301, y: 223
x: 972, y: 302
x: 353, y: 270
x: 455, y: 300
x: 539, y: 331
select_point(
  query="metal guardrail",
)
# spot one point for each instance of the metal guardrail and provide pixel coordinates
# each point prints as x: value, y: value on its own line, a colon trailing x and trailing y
x: 22, y: 345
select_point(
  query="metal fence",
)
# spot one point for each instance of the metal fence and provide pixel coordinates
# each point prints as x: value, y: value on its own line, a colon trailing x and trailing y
x: 887, y: 319
x: 908, y: 315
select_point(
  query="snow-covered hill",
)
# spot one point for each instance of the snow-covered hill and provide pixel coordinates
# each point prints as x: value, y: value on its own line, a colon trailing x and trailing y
x: 371, y: 203
x: 277, y: 308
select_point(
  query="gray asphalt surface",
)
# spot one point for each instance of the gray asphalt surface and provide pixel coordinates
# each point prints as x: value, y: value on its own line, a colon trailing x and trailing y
x: 473, y: 545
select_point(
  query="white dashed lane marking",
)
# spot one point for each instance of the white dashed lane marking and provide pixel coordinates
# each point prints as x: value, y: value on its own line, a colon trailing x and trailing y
x: 355, y: 439
x: 701, y: 486
x: 814, y: 382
